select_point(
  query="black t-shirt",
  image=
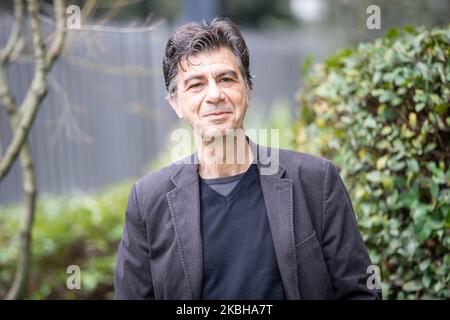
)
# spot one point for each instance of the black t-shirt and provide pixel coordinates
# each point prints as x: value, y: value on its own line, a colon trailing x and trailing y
x: 239, y: 259
x: 223, y: 185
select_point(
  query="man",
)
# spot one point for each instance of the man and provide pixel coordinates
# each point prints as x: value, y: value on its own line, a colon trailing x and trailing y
x: 210, y: 228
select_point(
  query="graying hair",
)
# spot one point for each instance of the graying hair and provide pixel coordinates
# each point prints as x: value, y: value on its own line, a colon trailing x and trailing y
x: 194, y: 38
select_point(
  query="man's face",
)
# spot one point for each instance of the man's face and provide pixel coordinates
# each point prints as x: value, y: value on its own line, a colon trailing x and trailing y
x: 211, y: 93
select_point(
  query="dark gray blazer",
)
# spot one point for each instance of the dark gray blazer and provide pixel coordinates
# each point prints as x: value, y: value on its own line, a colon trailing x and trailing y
x: 319, y: 249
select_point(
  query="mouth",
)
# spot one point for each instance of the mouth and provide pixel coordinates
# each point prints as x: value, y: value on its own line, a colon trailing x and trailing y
x: 217, y: 114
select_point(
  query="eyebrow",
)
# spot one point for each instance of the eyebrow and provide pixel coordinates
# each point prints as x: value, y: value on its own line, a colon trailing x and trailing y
x: 218, y: 75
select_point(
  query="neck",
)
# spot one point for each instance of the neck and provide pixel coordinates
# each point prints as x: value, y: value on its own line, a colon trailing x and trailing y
x: 222, y: 155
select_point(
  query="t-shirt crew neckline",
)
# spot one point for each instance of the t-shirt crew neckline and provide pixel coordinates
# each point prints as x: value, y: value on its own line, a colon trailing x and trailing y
x: 243, y: 181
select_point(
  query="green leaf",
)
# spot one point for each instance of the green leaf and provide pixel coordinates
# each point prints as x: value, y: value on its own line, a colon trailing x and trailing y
x: 430, y: 147
x: 424, y: 264
x: 374, y: 176
x: 370, y: 123
x: 423, y: 231
x: 413, y: 165
x: 426, y: 280
x: 432, y: 118
x: 393, y: 33
x: 376, y: 77
x: 424, y: 70
x: 434, y: 190
x: 306, y: 65
x: 409, y: 28
x: 381, y: 162
x: 412, y: 285
x: 420, y: 106
x: 386, y: 130
x: 413, y: 120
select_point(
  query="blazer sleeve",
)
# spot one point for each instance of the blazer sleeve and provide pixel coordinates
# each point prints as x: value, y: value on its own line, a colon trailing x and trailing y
x: 133, y: 279
x: 343, y: 247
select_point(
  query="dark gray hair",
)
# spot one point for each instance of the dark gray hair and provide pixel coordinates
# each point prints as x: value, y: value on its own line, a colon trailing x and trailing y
x: 194, y: 38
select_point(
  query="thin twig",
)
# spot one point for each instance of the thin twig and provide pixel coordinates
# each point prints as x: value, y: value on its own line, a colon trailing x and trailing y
x: 33, y: 97
x: 67, y: 118
x: 5, y: 54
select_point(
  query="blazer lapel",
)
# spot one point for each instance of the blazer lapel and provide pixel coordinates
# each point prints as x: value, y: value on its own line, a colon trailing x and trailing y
x: 184, y: 206
x: 278, y: 199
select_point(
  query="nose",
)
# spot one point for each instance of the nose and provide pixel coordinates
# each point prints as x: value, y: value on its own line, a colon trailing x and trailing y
x: 214, y: 94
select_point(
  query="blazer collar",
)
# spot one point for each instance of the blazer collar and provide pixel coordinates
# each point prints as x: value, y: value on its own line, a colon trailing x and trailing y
x: 266, y: 159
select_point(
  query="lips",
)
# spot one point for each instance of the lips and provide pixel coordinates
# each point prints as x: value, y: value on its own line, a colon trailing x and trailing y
x: 217, y: 113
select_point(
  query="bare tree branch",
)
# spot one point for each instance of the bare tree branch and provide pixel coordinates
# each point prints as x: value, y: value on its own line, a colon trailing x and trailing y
x: 67, y: 119
x: 37, y: 89
x: 6, y: 97
x: 58, y: 40
x: 19, y: 284
x: 28, y: 176
x: 5, y: 94
x: 5, y: 54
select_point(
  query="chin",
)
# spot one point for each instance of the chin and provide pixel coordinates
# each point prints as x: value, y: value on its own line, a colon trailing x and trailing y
x: 215, y: 131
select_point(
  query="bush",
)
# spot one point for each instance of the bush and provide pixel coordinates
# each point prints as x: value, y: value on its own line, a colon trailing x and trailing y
x: 81, y: 230
x: 381, y: 113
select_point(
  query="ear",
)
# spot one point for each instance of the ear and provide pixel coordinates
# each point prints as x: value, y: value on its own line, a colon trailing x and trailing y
x: 248, y: 97
x: 175, y: 106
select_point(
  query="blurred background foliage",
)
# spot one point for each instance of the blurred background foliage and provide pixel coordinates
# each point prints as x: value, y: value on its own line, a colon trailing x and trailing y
x: 81, y: 230
x: 380, y: 111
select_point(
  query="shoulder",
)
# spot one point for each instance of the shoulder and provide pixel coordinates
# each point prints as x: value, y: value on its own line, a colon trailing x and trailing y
x: 295, y: 160
x: 156, y: 182
x: 313, y: 171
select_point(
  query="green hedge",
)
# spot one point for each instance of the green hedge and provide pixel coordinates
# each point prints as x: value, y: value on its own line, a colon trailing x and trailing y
x: 81, y: 230
x: 380, y: 111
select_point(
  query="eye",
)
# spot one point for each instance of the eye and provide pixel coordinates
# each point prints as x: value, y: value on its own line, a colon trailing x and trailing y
x: 226, y: 81
x: 195, y: 85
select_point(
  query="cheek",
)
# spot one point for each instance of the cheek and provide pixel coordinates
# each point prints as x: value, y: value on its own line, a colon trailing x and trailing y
x: 238, y: 98
x: 240, y: 102
x: 192, y: 105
